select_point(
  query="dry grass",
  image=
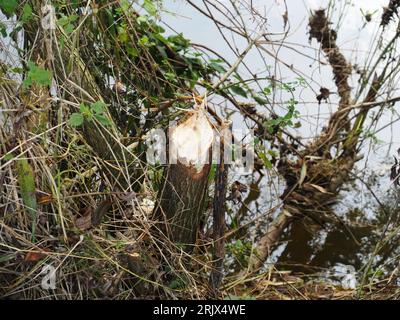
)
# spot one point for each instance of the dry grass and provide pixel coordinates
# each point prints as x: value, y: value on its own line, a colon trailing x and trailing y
x: 70, y: 189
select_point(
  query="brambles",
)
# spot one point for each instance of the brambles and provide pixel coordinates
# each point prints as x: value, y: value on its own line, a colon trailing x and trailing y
x: 37, y: 75
x: 96, y: 110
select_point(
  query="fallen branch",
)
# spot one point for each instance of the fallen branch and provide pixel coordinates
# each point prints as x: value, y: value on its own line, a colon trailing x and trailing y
x: 328, y: 177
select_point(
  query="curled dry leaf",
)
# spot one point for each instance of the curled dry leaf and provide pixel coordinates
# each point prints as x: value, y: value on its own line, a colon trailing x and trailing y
x: 237, y: 189
x: 324, y: 94
x: 92, y: 218
x: 33, y: 256
x: 390, y: 12
x: 100, y: 211
x: 285, y: 17
x: 119, y: 87
x: 303, y: 173
x: 84, y: 222
x: 44, y: 199
x: 319, y: 188
x: 126, y: 196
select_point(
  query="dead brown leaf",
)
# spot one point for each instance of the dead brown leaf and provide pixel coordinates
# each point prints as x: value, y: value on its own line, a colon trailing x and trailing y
x: 319, y: 188
x: 92, y: 218
x: 33, y: 256
x: 44, y: 199
x: 84, y: 222
x: 324, y: 94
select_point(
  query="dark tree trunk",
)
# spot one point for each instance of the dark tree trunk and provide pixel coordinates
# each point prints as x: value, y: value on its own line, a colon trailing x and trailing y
x: 182, y: 201
x: 219, y: 211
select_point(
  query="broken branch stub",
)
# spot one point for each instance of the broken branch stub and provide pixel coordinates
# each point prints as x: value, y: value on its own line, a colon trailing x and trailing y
x: 183, y: 193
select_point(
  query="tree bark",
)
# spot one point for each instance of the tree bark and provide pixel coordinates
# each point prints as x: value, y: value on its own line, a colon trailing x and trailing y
x: 182, y: 197
x: 219, y: 213
x: 182, y: 202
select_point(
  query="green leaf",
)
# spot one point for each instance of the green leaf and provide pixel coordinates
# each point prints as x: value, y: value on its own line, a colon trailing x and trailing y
x: 125, y: 5
x: 150, y: 7
x: 17, y: 70
x: 75, y: 3
x: 217, y: 60
x: 133, y: 52
x: 72, y: 18
x: 302, y: 82
x: 170, y: 76
x: 272, y: 153
x: 8, y: 157
x: 256, y: 141
x: 3, y: 29
x: 213, y: 171
x: 62, y: 42
x: 98, y: 107
x: 8, y: 6
x: 142, y: 20
x: 144, y: 41
x: 160, y: 38
x: 238, y: 90
x: 63, y: 21
x: 37, y: 75
x: 267, y: 90
x: 102, y: 119
x: 158, y: 29
x: 26, y: 182
x: 217, y: 67
x: 265, y: 160
x: 179, y: 41
x: 177, y: 283
x: 122, y: 34
x: 66, y: 22
x: 69, y: 28
x: 26, y: 13
x: 260, y: 100
x: 76, y: 119
x: 84, y: 109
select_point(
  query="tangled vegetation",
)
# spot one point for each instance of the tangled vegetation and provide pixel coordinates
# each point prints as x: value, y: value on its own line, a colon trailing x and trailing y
x: 82, y: 86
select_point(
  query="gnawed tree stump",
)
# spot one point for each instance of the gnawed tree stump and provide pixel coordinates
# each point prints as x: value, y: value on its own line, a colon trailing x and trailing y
x: 182, y: 202
x: 182, y: 196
